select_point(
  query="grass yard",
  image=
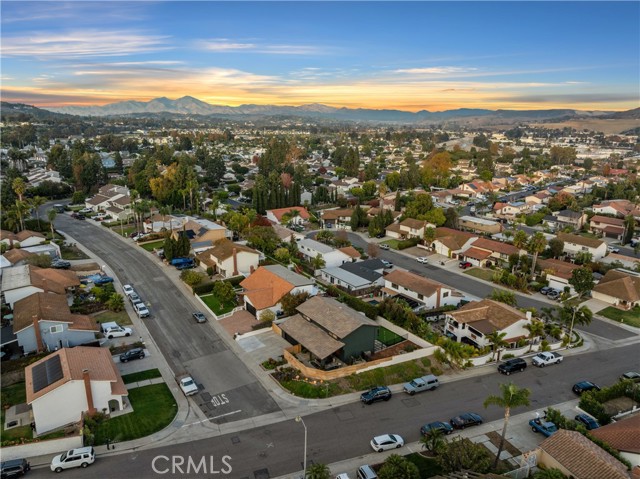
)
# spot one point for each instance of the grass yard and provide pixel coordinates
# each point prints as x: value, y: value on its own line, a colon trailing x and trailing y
x: 153, y: 409
x: 312, y: 391
x: 153, y: 245
x: 124, y: 231
x: 12, y: 395
x: 387, y: 337
x: 121, y: 317
x: 480, y: 273
x: 214, y: 304
x: 141, y: 376
x: 69, y: 252
x: 631, y: 317
x: 427, y: 466
x: 393, y: 243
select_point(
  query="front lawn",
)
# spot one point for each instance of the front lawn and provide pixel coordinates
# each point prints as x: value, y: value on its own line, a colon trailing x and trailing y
x: 153, y: 409
x: 631, y: 317
x: 120, y: 317
x: 12, y: 395
x: 124, y: 231
x: 393, y: 243
x: 480, y: 273
x: 69, y: 252
x: 214, y: 304
x: 141, y: 376
x: 153, y: 245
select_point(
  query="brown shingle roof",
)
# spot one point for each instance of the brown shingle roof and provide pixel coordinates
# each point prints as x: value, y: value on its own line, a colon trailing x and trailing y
x: 335, y: 214
x: 488, y: 315
x: 619, y: 285
x: 333, y: 316
x: 97, y: 199
x: 223, y: 249
x: 311, y: 337
x: 73, y: 360
x: 606, y: 220
x: 558, y: 268
x: 453, y: 239
x: 476, y: 253
x: 265, y: 288
x: 24, y: 234
x: 350, y: 251
x: 45, y: 306
x: 495, y: 246
x: 66, y: 279
x: 413, y: 223
x: 581, y: 457
x: 622, y: 435
x: 581, y: 240
x: 16, y: 255
x: 413, y: 282
x: 280, y: 212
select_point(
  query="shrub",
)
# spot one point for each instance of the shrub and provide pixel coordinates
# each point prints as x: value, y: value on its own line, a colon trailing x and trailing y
x: 436, y: 371
x: 191, y: 278
x: 508, y: 356
x: 408, y: 243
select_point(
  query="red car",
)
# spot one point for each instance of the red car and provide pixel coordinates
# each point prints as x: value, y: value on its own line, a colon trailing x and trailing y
x: 464, y: 264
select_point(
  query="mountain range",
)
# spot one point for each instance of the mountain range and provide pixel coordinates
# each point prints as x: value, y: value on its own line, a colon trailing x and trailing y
x: 190, y: 106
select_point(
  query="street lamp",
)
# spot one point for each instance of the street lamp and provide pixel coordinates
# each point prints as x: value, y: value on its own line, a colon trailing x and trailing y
x: 304, y: 464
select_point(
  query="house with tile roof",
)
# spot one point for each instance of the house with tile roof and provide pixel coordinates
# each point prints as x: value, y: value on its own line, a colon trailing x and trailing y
x: 22, y: 281
x: 479, y: 225
x: 357, y: 278
x: 419, y: 292
x: 16, y: 257
x: 607, y: 227
x: 577, y: 456
x: 113, y: 199
x: 310, y: 249
x: 474, y: 321
x: 327, y: 328
x: 25, y: 238
x: 408, y: 228
x: 484, y: 250
x: 71, y: 382
x: 619, y: 208
x: 450, y: 242
x: 229, y: 259
x: 266, y: 286
x: 574, y: 244
x: 510, y: 210
x: 339, y: 218
x: 201, y: 233
x: 620, y: 288
x: 624, y: 436
x: 277, y: 215
x: 43, y: 322
x: 558, y: 273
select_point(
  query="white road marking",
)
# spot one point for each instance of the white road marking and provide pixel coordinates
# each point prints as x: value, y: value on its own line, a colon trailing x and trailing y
x: 209, y: 419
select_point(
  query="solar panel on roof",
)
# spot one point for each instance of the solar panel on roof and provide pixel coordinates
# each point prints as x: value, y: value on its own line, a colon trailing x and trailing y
x: 47, y: 373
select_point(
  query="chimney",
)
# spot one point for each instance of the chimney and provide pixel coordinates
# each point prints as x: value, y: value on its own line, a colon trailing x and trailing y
x: 38, y: 333
x: 91, y: 410
x: 235, y: 262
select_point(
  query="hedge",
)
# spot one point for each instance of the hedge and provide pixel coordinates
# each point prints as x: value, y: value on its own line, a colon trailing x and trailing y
x: 370, y: 310
x: 205, y: 288
x: 408, y: 243
x: 592, y: 401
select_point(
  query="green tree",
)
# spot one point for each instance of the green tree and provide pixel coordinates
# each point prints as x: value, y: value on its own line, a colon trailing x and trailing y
x: 318, y: 471
x: 429, y: 235
x: 433, y: 441
x: 223, y: 290
x: 282, y: 255
x: 451, y: 215
x: 318, y: 262
x: 520, y: 239
x: 51, y: 216
x: 115, y: 302
x: 325, y: 236
x: 536, y: 329
x: 582, y: 280
x: 398, y: 467
x: 35, y: 203
x: 536, y: 245
x: 572, y: 315
x: 290, y: 302
x: 40, y: 260
x: 19, y: 187
x: 629, y: 225
x: 510, y: 397
x: 419, y: 207
x: 267, y: 316
x: 463, y: 454
x: 550, y: 473
x: 556, y: 247
x: 497, y: 341
x: 502, y: 296
x: 192, y: 278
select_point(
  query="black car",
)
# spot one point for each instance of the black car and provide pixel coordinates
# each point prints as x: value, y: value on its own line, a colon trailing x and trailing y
x: 466, y: 420
x: 512, y: 365
x: 136, y: 353
x: 14, y: 468
x: 584, y: 386
x: 443, y: 427
x: 380, y: 393
x: 587, y: 421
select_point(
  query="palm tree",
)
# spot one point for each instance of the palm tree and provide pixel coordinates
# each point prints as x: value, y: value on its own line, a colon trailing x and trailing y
x: 553, y: 330
x: 51, y: 215
x: 318, y: 262
x: 455, y: 352
x: 433, y: 440
x: 11, y: 219
x: 575, y: 315
x: 318, y: 471
x: 536, y: 329
x: 496, y: 338
x: 511, y: 397
x: 37, y: 202
x: 19, y: 187
x: 536, y: 245
x: 520, y: 239
x: 551, y: 473
x: 22, y: 208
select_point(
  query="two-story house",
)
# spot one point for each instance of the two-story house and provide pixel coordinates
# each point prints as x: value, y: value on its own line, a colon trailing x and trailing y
x: 574, y: 244
x: 558, y: 273
x: 620, y: 288
x: 357, y: 278
x: 20, y: 282
x: 419, y: 292
x: 310, y: 249
x: 336, y: 218
x: 569, y: 218
x: 300, y: 216
x: 202, y: 233
x: 607, y: 227
x: 450, y: 242
x: 408, y: 228
x: 229, y: 259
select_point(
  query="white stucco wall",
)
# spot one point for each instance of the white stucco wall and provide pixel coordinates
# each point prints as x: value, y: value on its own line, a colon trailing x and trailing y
x: 13, y: 295
x: 245, y: 261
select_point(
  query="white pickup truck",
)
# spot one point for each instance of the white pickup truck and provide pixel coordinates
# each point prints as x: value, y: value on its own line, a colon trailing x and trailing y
x: 543, y: 359
x: 187, y: 384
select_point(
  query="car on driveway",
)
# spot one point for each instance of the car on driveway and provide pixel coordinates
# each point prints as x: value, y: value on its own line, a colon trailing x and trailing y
x: 422, y: 259
x: 466, y: 420
x: 380, y: 393
x: 386, y: 442
x: 199, y: 317
x: 443, y: 427
x: 464, y: 265
x: 114, y: 330
x: 553, y: 294
x: 60, y: 264
x: 584, y: 386
x: 102, y: 280
x: 512, y: 365
x: 546, y: 428
x: 545, y: 289
x: 613, y: 249
x: 136, y: 353
x: 587, y: 421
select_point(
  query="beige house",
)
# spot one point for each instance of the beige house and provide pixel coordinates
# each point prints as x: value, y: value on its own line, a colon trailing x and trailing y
x: 607, y: 227
x: 558, y: 273
x: 202, y: 234
x: 22, y: 281
x: 620, y: 288
x: 408, y: 228
x: 574, y: 244
x: 230, y: 259
x: 63, y: 386
x: 479, y: 225
x: 450, y: 242
x: 421, y: 293
x: 25, y: 238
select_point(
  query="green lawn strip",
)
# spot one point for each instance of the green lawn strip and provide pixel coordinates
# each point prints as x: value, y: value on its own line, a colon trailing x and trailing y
x: 214, y: 304
x: 387, y: 337
x: 120, y: 317
x: 312, y: 391
x: 480, y: 273
x: 10, y: 396
x: 153, y: 245
x: 153, y: 409
x: 141, y: 376
x: 631, y: 317
x: 427, y: 466
x: 124, y: 231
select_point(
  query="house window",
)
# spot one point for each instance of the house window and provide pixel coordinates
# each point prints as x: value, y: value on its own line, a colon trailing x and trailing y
x: 420, y: 296
x: 394, y: 286
x: 55, y: 329
x: 445, y: 294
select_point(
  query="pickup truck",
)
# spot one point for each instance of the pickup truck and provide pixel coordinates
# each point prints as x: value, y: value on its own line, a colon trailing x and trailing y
x: 543, y: 359
x: 187, y: 384
x: 546, y: 428
x: 425, y: 383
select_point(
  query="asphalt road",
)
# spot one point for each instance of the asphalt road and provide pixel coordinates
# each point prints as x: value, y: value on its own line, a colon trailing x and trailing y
x: 229, y: 391
x: 344, y: 432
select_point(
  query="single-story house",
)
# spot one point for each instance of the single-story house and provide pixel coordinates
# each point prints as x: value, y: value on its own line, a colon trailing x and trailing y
x: 479, y: 225
x: 619, y: 208
x: 356, y: 278
x: 277, y: 215
x: 63, y: 386
x: 20, y: 282
x: 624, y: 436
x: 450, y: 242
x: 627, y: 262
x: 158, y: 222
x: 607, y: 227
x: 574, y: 244
x: 16, y: 257
x: 619, y: 287
x: 558, y: 273
x: 483, y: 250
x: 202, y: 234
x: 421, y: 293
x: 229, y: 259
x: 24, y: 238
x: 310, y: 249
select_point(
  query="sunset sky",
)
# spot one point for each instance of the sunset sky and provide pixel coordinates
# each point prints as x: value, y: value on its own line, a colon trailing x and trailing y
x: 408, y: 56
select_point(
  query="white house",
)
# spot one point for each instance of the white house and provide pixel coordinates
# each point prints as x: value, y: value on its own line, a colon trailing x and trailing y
x: 574, y: 244
x: 310, y: 249
x: 356, y: 278
x: 25, y: 238
x: 70, y: 382
x: 558, y: 273
x: 230, y: 259
x: 421, y: 293
x: 277, y: 215
x: 475, y: 320
x: 20, y: 282
x: 451, y: 243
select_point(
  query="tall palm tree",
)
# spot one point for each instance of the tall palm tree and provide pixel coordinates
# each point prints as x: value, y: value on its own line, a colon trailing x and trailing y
x: 536, y: 245
x: 51, y: 215
x: 10, y: 219
x: 520, y: 239
x: 496, y: 338
x: 22, y: 208
x: 37, y: 202
x: 511, y: 396
x: 536, y: 329
x: 433, y: 441
x: 573, y: 315
x: 19, y: 187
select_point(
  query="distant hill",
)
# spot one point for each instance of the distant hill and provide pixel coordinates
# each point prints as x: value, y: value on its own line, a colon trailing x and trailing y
x: 26, y: 112
x: 192, y: 106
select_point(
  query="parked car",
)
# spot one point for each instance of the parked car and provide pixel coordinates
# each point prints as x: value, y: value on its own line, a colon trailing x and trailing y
x: 386, y: 442
x: 466, y: 420
x: 188, y: 385
x: 425, y: 383
x: 464, y: 265
x: 200, y: 317
x: 512, y: 365
x: 380, y: 393
x: 584, y: 386
x: 114, y: 330
x: 380, y: 235
x: 613, y: 249
x: 588, y: 422
x: 387, y: 264
x: 189, y: 265
x: 103, y: 279
x: 546, y: 358
x: 81, y: 457
x: 631, y: 376
x: 136, y: 353
x: 86, y: 210
x: 384, y: 246
x: 60, y: 264
x: 128, y: 290
x: 422, y: 259
x: 545, y: 289
x: 444, y: 427
x: 553, y: 294
x: 141, y: 310
x: 546, y: 428
x: 14, y: 468
x: 134, y: 298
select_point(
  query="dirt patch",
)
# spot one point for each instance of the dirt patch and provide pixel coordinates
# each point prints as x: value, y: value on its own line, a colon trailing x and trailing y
x: 494, y: 438
x: 85, y: 267
x: 614, y: 406
x: 395, y: 350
